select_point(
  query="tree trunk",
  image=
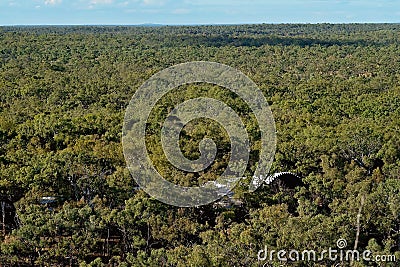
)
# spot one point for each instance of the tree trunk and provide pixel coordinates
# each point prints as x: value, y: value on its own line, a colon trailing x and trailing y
x: 3, y: 212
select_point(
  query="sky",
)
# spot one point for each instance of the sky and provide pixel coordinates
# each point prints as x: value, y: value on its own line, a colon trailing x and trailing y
x: 189, y: 12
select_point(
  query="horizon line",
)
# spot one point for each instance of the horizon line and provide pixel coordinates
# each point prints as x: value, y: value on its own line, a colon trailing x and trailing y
x: 195, y: 24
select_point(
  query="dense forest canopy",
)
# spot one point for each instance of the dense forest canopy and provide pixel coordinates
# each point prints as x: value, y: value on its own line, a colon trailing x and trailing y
x: 67, y: 197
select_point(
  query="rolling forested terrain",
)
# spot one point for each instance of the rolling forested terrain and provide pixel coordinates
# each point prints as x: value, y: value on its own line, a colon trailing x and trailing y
x: 67, y: 197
